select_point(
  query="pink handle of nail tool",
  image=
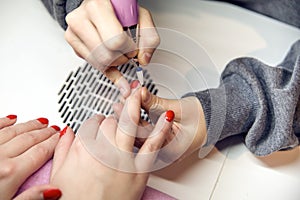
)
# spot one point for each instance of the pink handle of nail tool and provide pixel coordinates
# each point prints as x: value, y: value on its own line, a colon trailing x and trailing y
x: 126, y: 11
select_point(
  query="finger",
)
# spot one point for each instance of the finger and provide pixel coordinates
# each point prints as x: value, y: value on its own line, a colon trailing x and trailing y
x: 89, y: 129
x: 144, y: 129
x: 117, y: 78
x: 75, y: 42
x: 10, y: 132
x: 103, y: 58
x: 108, y: 129
x: 102, y: 15
x: 148, y: 152
x: 117, y: 107
x: 7, y: 121
x: 155, y: 105
x: 34, y: 158
x: 62, y: 149
x: 79, y: 23
x: 23, y: 142
x: 128, y: 121
x: 149, y: 38
x: 39, y: 192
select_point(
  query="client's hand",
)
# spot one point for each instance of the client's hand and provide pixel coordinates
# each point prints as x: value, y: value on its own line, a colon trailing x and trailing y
x: 189, y: 127
x: 100, y: 162
x: 24, y: 148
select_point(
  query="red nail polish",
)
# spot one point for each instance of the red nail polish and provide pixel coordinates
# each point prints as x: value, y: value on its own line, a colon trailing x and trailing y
x: 63, y: 131
x: 169, y: 115
x: 51, y: 194
x: 11, y: 117
x: 134, y: 84
x: 55, y: 127
x: 43, y: 120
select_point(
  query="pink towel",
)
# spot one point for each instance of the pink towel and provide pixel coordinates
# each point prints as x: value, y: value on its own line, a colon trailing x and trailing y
x: 42, y: 176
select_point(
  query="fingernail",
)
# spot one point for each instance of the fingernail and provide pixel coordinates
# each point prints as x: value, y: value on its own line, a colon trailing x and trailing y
x: 134, y: 84
x: 11, y: 117
x: 169, y: 115
x: 52, y: 194
x: 146, y: 58
x: 63, y: 132
x: 43, y: 120
x: 55, y: 127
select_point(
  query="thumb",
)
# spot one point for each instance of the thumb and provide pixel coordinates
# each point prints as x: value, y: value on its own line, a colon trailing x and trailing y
x: 46, y: 192
x: 155, y: 105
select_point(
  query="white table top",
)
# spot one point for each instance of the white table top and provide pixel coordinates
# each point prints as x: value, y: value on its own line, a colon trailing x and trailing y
x: 36, y: 60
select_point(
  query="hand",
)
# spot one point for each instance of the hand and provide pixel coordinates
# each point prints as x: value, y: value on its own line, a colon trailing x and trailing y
x: 24, y: 148
x: 96, y: 35
x: 100, y: 164
x: 189, y: 125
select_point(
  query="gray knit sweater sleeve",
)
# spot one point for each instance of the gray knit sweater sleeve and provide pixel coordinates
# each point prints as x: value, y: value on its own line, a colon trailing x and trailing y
x: 60, y: 8
x: 259, y: 101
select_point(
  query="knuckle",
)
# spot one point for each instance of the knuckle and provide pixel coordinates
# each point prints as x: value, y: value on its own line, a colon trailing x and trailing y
x: 134, y: 118
x: 41, y: 150
x: 11, y: 130
x: 69, y: 37
x: 73, y: 41
x: 154, y: 40
x: 107, y: 60
x: 151, y: 40
x: 32, y: 137
x: 91, y: 6
x: 117, y: 42
x: 144, y: 11
x: 77, y: 147
x: 67, y: 34
x: 8, y: 168
x: 71, y: 18
x: 151, y: 147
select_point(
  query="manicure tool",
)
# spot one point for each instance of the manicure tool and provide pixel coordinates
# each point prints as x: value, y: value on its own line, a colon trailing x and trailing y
x: 127, y: 14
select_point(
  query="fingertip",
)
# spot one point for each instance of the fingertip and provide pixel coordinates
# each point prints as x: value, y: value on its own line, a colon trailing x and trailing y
x: 63, y: 132
x: 123, y: 86
x: 45, y: 192
x: 12, y: 117
x: 170, y: 115
x: 51, y: 194
x: 132, y: 54
x: 144, y: 58
x: 134, y: 84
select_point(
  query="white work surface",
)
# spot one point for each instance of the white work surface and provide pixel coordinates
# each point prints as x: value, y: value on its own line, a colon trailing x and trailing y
x: 36, y: 61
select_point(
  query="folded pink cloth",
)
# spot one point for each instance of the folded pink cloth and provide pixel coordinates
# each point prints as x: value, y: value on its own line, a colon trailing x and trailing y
x: 42, y: 176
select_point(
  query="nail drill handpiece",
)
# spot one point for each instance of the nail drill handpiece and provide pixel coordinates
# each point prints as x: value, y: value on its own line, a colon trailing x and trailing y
x: 127, y: 14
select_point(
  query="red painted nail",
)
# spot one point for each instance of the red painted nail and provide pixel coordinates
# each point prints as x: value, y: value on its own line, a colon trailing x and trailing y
x: 51, y: 194
x: 134, y: 84
x: 55, y: 127
x: 169, y: 115
x: 11, y: 116
x: 43, y: 120
x: 63, y: 131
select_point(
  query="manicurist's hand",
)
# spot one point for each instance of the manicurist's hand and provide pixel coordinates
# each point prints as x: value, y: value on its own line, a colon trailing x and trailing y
x: 96, y: 35
x: 24, y: 148
x: 101, y: 163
